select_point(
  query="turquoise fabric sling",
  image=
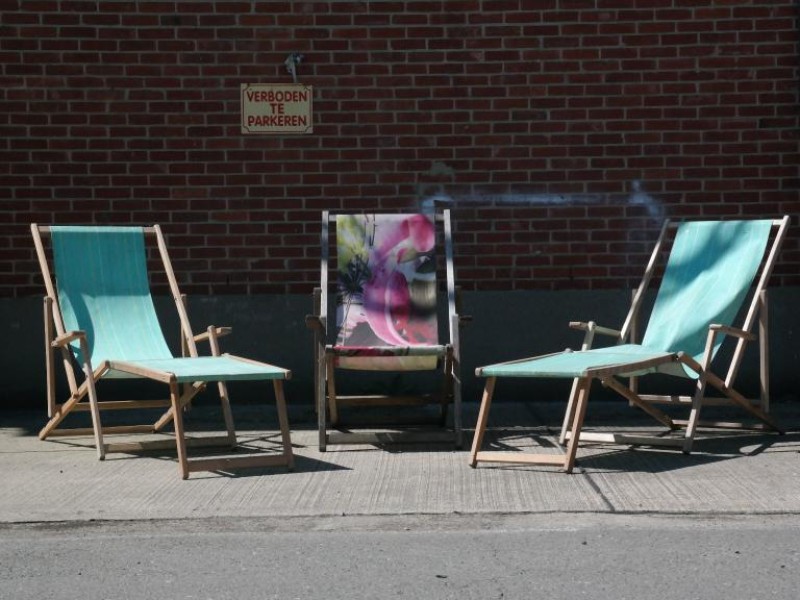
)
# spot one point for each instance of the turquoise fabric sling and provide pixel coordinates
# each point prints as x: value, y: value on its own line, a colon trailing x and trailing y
x: 574, y: 364
x: 104, y: 290
x: 710, y: 269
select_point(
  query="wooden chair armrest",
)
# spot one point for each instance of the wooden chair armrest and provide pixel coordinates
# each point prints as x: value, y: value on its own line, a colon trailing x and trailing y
x: 315, y: 322
x: 592, y: 326
x: 218, y: 332
x: 69, y: 336
x: 734, y: 331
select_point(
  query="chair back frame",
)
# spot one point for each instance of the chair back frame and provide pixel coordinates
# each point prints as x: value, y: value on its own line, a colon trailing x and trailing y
x: 756, y: 309
x: 452, y: 303
x: 54, y: 319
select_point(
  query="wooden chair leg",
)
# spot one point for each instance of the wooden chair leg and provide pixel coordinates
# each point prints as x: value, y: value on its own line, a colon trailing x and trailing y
x: 226, y: 412
x: 694, y: 414
x: 61, y: 412
x: 95, y: 412
x: 283, y: 421
x: 443, y: 410
x: 763, y: 351
x: 319, y: 391
x: 447, y: 387
x: 577, y: 423
x: 699, y: 392
x: 224, y: 399
x: 330, y: 377
x: 457, y: 404
x: 739, y: 400
x: 189, y: 392
x: 483, y: 418
x: 180, y: 440
x: 49, y: 358
x: 570, y: 412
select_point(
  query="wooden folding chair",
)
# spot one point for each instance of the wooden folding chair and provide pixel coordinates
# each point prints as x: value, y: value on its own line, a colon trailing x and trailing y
x: 386, y: 305
x: 100, y: 313
x: 711, y: 267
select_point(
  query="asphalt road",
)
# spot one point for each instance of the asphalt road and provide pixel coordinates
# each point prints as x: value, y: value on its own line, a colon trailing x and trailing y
x: 417, y: 556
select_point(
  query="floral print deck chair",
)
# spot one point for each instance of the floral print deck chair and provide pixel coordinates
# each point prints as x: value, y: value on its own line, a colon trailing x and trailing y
x: 385, y: 304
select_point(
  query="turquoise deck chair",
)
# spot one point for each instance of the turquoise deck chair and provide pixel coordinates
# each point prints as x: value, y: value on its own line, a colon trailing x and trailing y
x: 101, y: 314
x: 708, y: 276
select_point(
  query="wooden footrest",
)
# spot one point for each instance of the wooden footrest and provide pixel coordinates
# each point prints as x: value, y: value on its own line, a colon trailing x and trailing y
x: 390, y: 437
x: 728, y: 425
x: 622, y: 438
x: 388, y: 400
x: 115, y: 430
x: 522, y: 458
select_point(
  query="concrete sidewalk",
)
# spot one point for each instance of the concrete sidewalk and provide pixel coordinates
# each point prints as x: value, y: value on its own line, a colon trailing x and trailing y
x: 740, y: 473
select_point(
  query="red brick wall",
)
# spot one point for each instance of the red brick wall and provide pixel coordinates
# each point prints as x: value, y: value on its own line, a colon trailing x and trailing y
x: 561, y: 135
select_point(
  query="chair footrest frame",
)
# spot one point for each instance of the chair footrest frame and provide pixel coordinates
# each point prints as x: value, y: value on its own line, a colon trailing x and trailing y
x: 522, y: 458
x: 729, y: 425
x: 391, y: 400
x: 112, y: 430
x: 120, y: 405
x: 389, y: 437
x: 624, y: 438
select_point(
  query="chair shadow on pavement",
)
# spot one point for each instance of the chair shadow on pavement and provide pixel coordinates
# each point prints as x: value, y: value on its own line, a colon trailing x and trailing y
x: 258, y: 438
x: 709, y: 447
